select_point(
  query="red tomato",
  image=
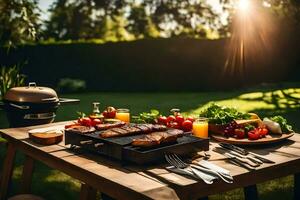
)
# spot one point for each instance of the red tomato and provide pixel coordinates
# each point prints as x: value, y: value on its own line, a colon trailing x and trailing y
x: 191, y: 119
x: 86, y: 121
x: 96, y: 121
x: 162, y: 120
x: 171, y: 118
x: 179, y: 119
x: 174, y: 124
x: 253, y: 135
x: 109, y: 112
x: 263, y: 132
x: 187, y: 125
x: 240, y: 133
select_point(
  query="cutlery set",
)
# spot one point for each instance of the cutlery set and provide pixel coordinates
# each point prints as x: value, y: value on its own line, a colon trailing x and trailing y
x: 209, y: 172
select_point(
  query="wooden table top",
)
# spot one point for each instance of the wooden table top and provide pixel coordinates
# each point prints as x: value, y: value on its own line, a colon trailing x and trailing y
x: 154, y: 182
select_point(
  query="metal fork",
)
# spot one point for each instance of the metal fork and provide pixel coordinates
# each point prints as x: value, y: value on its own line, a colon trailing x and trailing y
x: 174, y: 160
x: 188, y: 169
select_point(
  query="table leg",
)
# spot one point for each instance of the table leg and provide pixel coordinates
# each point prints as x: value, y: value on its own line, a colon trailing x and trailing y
x: 87, y: 192
x: 297, y: 186
x: 250, y: 192
x: 7, y: 170
x: 27, y: 175
x: 106, y: 197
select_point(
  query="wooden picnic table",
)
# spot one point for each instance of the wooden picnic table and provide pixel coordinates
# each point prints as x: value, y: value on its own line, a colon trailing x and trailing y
x: 137, y: 182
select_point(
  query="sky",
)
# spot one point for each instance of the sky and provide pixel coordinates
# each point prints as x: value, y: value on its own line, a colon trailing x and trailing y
x: 44, y: 6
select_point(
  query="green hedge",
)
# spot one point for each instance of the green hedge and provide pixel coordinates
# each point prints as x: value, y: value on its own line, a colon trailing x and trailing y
x: 152, y: 65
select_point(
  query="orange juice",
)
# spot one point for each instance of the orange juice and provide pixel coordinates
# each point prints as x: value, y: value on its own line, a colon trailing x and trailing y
x: 123, y: 115
x: 200, y: 128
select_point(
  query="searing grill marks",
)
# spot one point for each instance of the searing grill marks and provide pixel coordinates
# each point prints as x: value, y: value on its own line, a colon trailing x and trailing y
x: 131, y: 130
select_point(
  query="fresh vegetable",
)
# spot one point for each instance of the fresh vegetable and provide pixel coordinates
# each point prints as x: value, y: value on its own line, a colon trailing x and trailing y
x: 179, y: 119
x: 249, y: 127
x: 263, y: 132
x: 162, y: 120
x: 187, y: 125
x: 253, y: 135
x: 171, y: 118
x: 109, y: 112
x: 222, y: 115
x: 285, y: 127
x: 86, y: 121
x: 273, y: 126
x: 147, y: 117
x: 96, y: 121
x: 174, y: 124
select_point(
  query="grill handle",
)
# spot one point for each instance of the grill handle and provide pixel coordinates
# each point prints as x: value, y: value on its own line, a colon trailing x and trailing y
x: 19, y: 107
x: 68, y: 101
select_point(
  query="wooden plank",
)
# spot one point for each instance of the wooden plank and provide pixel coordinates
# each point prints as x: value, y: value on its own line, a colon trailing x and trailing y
x: 8, y: 165
x: 297, y: 186
x: 105, y: 178
x: 250, y: 192
x: 27, y: 175
x: 87, y: 192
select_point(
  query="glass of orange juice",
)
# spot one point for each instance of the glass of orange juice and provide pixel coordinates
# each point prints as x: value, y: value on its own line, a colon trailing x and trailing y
x: 200, y: 127
x: 123, y: 114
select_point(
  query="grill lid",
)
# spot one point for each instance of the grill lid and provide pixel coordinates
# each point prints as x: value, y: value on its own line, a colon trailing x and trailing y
x: 32, y: 93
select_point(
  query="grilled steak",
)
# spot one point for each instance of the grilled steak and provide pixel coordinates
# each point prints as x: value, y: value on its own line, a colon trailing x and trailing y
x: 101, y: 127
x: 131, y: 130
x: 81, y: 129
x: 157, y: 138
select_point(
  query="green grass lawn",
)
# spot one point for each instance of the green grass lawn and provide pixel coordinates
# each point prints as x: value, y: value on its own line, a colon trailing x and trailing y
x: 264, y: 100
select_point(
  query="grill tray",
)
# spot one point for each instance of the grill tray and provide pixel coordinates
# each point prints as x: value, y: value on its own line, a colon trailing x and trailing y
x: 119, y: 147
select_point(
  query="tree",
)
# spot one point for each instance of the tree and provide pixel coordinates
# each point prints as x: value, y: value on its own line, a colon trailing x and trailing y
x: 83, y: 19
x: 19, y: 21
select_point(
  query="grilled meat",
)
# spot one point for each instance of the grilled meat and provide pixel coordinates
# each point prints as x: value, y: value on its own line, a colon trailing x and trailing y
x: 131, y: 130
x: 101, y: 127
x: 157, y: 138
x: 81, y: 129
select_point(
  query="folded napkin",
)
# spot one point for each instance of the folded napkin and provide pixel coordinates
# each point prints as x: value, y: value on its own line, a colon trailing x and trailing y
x: 207, y: 178
x: 214, y: 167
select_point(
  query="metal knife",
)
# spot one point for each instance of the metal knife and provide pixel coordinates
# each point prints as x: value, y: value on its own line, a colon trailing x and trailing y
x: 254, y: 160
x: 235, y: 160
x: 245, y: 152
x: 237, y: 156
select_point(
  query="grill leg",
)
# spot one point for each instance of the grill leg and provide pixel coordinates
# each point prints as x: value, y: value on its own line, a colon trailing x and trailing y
x: 250, y: 192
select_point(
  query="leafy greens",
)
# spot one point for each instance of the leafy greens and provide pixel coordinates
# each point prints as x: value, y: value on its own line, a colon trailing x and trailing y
x: 285, y: 127
x: 222, y: 115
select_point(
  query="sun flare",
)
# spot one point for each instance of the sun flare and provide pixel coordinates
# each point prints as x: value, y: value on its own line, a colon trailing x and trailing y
x: 243, y: 5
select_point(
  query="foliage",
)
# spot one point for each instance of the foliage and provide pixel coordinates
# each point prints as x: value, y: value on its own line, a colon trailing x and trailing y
x: 222, y: 115
x: 19, y: 21
x: 286, y: 128
x: 68, y: 85
x: 146, y: 117
x: 10, y: 77
x: 131, y: 18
